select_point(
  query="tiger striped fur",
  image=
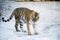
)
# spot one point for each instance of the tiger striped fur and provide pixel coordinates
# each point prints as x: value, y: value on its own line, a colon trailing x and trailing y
x: 24, y: 14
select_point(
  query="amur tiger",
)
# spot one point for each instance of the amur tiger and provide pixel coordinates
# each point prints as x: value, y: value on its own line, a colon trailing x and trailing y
x: 26, y: 15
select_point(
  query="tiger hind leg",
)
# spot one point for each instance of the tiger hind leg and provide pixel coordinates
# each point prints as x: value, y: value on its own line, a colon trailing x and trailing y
x: 21, y: 24
x: 16, y: 25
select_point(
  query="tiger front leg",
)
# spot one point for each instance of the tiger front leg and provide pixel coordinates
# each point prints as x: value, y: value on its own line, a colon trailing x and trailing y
x: 34, y: 29
x: 27, y: 23
x: 29, y: 33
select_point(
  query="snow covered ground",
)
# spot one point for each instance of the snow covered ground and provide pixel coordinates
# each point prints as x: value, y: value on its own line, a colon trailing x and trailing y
x: 48, y: 25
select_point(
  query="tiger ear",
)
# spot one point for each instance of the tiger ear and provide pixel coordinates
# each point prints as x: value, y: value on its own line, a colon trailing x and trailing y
x: 32, y: 11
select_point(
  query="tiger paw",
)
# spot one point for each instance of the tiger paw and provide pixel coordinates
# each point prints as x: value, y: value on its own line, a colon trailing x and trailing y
x: 29, y: 34
x: 23, y: 31
x: 36, y: 33
x: 17, y: 30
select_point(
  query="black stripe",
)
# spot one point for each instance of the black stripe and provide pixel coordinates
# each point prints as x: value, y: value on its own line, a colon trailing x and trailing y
x: 7, y: 19
x: 21, y: 24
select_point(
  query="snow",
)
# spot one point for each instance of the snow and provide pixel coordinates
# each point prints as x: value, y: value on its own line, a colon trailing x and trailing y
x: 48, y: 25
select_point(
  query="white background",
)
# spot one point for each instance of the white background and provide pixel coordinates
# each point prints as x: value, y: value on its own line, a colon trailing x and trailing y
x: 48, y: 25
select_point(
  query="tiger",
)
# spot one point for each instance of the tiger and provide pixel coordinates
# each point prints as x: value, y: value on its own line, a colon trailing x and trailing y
x: 25, y: 14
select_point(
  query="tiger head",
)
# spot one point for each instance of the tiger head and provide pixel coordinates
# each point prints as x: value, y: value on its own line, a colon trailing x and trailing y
x: 35, y: 16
